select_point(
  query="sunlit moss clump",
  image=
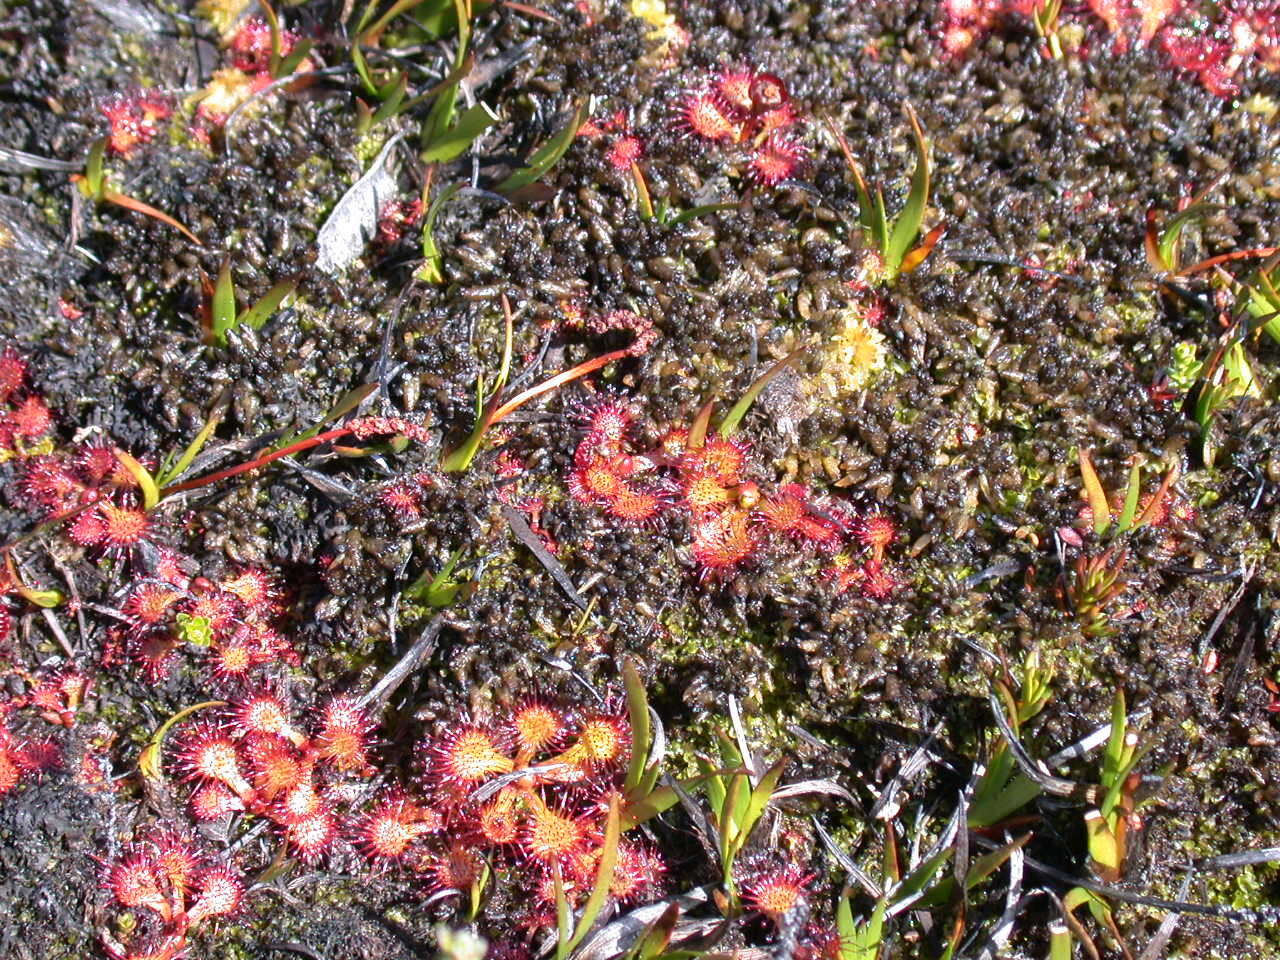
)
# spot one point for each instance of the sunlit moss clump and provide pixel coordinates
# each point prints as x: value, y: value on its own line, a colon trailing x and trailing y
x: 222, y: 14
x: 653, y: 12
x: 854, y: 354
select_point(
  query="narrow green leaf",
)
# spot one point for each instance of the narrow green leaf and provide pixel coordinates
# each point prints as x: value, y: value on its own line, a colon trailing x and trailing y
x: 223, y: 308
x: 638, y: 715
x: 871, y: 936
x: 439, y: 590
x: 694, y: 212
x: 255, y: 316
x: 604, y: 878
x: 880, y: 225
x: 289, y: 65
x: 717, y: 786
x: 454, y: 141
x: 1002, y: 795
x: 166, y: 477
x: 731, y: 423
x: 1130, y: 509
x: 907, y: 227
x: 1167, y: 246
x: 444, y: 111
x: 761, y: 795
x: 508, y: 341
x: 41, y: 598
x: 866, y: 210
x: 1095, y: 494
x: 650, y: 944
x: 149, y: 761
x: 737, y: 796
x: 431, y: 270
x: 391, y: 104
x: 94, y: 170
x: 989, y: 863
x: 401, y: 6
x: 655, y: 801
x: 698, y: 434
x: 1115, y: 743
x: 137, y: 206
x: 362, y: 70
x: 918, y: 880
x: 547, y: 157
x: 643, y: 201
x: 859, y: 941
x: 274, y: 23
x: 150, y: 491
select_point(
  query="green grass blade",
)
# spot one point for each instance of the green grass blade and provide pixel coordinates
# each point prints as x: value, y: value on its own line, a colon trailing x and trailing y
x: 698, y: 430
x: 223, y: 308
x: 150, y: 491
x: 254, y: 317
x: 362, y: 70
x: 1111, y: 756
x: 694, y: 212
x: 1131, y: 494
x: 94, y: 170
x: 880, y: 224
x: 918, y: 880
x: 431, y: 270
x: 454, y: 141
x: 907, y: 227
x: 638, y: 715
x: 739, y: 411
x: 547, y: 157
x: 394, y: 101
x: 651, y: 944
x: 166, y: 477
x: 289, y: 65
x: 761, y: 795
x: 604, y: 878
x: 989, y: 863
x: 1095, y: 494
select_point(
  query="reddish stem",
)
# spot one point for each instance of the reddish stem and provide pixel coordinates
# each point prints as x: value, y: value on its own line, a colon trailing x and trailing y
x: 261, y: 461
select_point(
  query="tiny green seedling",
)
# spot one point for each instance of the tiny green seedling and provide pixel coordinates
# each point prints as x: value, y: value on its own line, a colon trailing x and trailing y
x: 440, y: 590
x: 1163, y: 244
